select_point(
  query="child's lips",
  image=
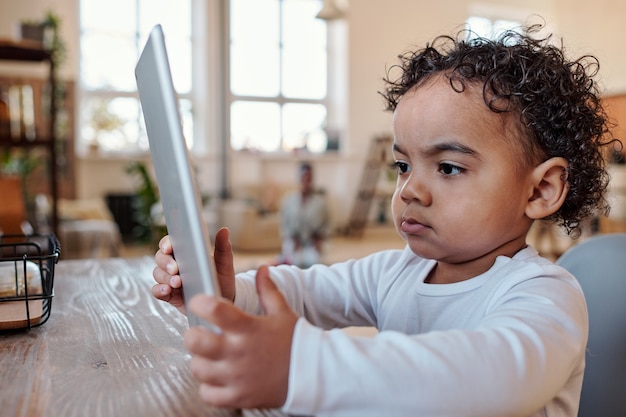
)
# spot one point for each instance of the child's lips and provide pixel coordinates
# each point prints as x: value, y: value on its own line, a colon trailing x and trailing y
x: 412, y: 226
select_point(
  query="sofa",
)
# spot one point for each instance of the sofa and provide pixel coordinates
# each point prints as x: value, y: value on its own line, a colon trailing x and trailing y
x: 253, y: 216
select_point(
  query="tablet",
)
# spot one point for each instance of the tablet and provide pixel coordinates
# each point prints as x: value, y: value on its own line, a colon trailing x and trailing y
x: 178, y: 190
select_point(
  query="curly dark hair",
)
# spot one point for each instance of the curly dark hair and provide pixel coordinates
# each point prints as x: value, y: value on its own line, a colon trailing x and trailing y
x: 561, y: 114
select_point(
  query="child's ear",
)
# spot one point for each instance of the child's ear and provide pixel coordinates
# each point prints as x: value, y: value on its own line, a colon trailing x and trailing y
x: 550, y: 187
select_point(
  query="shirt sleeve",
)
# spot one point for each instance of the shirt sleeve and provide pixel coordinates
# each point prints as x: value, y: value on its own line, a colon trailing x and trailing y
x: 335, y: 296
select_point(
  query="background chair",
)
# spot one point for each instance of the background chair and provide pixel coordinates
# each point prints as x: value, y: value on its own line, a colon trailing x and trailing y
x: 599, y: 264
x: 86, y: 227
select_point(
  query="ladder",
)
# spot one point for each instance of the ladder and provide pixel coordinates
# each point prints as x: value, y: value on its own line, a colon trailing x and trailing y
x: 378, y: 158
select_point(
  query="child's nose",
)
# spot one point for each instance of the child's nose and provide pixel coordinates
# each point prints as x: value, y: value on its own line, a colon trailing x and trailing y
x: 415, y: 189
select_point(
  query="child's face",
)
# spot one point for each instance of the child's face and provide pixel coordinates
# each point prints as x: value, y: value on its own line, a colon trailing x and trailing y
x: 462, y: 187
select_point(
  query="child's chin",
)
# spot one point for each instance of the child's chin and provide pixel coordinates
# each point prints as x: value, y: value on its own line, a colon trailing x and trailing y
x: 419, y: 247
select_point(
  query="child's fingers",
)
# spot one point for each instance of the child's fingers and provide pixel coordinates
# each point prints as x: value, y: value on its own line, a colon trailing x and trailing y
x: 164, y: 277
x: 161, y: 292
x: 204, y: 343
x: 223, y: 253
x: 220, y: 313
x: 165, y: 245
x: 166, y: 262
x: 223, y: 256
x: 218, y: 396
x: 170, y: 295
x: 271, y: 298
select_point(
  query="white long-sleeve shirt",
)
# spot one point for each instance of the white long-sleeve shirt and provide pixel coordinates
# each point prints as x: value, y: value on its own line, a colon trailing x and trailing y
x: 509, y: 342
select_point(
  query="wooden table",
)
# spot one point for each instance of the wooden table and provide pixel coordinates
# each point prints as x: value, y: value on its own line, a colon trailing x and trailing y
x: 108, y: 349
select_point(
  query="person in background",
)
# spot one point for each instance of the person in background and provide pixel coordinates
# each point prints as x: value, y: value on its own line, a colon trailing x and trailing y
x: 304, y: 222
x: 489, y: 137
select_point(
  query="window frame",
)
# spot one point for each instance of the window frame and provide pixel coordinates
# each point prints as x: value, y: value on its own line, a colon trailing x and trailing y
x: 85, y: 94
x: 280, y: 99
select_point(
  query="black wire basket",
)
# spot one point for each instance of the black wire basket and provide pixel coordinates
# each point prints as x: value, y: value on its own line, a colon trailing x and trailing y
x: 26, y: 279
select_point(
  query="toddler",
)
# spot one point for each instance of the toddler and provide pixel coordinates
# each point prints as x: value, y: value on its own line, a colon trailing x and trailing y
x: 489, y: 136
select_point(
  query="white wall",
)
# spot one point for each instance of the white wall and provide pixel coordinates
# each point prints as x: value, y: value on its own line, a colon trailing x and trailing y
x: 377, y: 32
x: 597, y: 27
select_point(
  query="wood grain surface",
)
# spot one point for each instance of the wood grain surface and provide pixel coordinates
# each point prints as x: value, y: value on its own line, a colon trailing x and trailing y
x: 108, y: 349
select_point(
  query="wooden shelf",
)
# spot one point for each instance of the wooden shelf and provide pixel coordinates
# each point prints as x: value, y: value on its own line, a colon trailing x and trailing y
x: 25, y: 143
x: 23, y: 51
x: 32, y: 52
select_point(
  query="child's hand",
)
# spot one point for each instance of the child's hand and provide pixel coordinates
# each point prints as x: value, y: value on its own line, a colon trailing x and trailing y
x: 247, y: 365
x: 168, y: 287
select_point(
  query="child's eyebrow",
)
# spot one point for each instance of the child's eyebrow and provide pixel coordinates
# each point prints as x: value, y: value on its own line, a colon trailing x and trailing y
x: 397, y: 148
x: 452, y: 146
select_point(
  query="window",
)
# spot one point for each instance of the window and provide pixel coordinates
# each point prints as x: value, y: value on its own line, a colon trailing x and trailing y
x: 278, y: 75
x: 490, y: 28
x: 112, y: 36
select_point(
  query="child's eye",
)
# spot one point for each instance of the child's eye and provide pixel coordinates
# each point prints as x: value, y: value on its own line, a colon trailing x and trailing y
x: 402, y: 167
x: 449, y: 169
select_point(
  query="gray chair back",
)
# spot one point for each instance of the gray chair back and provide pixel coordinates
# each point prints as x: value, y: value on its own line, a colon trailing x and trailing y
x: 599, y: 264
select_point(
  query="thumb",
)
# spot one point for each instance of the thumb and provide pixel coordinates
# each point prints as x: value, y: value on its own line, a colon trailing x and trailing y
x: 271, y: 298
x: 217, y: 311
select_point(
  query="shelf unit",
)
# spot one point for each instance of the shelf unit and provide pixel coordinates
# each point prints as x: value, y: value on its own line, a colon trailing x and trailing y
x: 26, y: 52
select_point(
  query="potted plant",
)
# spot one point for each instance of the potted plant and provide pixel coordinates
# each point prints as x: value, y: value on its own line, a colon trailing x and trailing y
x: 19, y: 164
x: 46, y: 33
x: 147, y: 196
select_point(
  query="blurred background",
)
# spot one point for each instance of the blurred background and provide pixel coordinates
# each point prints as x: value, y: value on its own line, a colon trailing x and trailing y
x: 263, y: 85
